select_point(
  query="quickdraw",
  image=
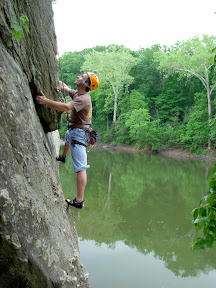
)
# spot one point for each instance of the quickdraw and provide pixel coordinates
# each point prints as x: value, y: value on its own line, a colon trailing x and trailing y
x: 93, y: 137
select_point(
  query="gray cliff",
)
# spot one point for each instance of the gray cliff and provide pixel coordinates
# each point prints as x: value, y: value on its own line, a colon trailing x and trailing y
x: 38, y: 239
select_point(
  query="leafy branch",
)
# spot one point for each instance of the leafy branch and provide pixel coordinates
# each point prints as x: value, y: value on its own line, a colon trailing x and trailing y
x: 17, y: 27
x: 213, y: 56
x: 204, y: 215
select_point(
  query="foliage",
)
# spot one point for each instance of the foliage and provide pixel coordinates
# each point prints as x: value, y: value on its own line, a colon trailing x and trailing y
x: 190, y: 58
x: 112, y: 66
x: 213, y: 55
x: 158, y: 108
x: 17, y: 27
x: 71, y: 63
x: 195, y: 131
x: 147, y: 105
x: 172, y: 100
x: 147, y: 78
x: 204, y: 216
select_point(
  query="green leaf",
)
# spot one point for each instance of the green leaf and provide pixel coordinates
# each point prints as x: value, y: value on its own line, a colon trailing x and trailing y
x: 197, y: 227
x: 213, y: 175
x: 212, y: 223
x: 209, y: 241
x: 212, y: 229
x: 205, y: 230
x: 202, y: 212
x: 214, y: 50
x: 213, y: 190
x: 196, y: 221
x: 16, y: 27
x: 212, y: 184
x: 24, y: 17
x: 201, y: 224
x: 17, y: 34
x: 211, y: 200
x: 199, y: 244
x: 212, y: 59
x: 204, y: 199
x: 204, y: 219
x: 212, y: 121
x: 195, y: 213
x: 26, y: 27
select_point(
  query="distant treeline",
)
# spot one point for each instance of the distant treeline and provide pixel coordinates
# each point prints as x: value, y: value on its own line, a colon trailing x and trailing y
x: 156, y: 97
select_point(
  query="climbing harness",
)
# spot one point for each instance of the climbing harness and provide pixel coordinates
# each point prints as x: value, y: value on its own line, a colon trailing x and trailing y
x: 94, y: 83
x: 93, y: 137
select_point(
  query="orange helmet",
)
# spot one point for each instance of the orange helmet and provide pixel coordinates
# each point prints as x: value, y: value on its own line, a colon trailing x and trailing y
x: 94, y: 80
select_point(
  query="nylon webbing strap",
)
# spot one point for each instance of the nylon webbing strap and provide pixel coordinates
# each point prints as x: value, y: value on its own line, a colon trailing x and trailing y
x: 73, y: 142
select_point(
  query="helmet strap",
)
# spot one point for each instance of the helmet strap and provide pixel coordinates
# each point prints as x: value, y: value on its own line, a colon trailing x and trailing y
x: 84, y: 83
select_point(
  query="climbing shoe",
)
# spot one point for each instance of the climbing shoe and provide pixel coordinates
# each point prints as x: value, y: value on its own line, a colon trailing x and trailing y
x: 61, y: 158
x: 74, y: 203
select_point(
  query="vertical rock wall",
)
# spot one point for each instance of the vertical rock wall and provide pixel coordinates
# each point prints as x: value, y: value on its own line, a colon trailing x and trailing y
x: 38, y: 240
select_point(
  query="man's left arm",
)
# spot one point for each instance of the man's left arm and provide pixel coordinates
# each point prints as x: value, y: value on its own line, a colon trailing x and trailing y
x: 59, y: 106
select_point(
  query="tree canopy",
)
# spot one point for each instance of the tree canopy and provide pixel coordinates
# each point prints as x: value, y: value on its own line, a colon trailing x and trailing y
x: 149, y: 98
x: 112, y: 66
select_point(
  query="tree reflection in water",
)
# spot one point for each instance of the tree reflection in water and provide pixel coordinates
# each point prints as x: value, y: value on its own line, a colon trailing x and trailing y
x: 144, y: 201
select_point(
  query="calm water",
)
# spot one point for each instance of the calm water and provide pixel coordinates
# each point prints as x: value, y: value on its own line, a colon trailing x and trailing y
x: 136, y: 230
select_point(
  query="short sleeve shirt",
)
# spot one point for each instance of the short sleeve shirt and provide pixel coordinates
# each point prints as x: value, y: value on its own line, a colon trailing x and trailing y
x: 82, y: 114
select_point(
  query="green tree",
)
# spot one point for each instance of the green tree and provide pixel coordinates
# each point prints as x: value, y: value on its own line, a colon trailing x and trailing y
x: 147, y: 78
x: 205, y: 216
x: 102, y: 107
x: 195, y: 131
x: 172, y: 101
x: 71, y: 63
x: 112, y: 66
x: 191, y: 57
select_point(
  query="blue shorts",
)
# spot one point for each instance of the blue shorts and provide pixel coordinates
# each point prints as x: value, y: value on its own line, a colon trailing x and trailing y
x: 78, y: 152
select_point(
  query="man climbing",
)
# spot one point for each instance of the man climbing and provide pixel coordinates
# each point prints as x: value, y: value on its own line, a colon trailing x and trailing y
x: 77, y: 135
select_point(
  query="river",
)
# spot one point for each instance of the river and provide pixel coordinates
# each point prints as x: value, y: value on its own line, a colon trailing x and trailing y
x: 136, y: 228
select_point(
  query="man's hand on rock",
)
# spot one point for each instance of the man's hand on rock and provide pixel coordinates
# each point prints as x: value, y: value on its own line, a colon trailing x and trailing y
x: 41, y: 99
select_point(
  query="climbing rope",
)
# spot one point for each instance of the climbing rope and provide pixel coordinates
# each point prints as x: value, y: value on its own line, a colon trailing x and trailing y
x: 68, y: 119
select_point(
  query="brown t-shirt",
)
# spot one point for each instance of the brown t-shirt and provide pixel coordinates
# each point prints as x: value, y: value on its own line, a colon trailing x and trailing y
x: 82, y: 114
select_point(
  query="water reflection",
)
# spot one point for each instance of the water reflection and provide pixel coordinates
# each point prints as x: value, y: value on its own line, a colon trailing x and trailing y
x: 145, y: 203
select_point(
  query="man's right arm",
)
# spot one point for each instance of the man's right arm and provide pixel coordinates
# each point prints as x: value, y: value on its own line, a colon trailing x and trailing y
x: 64, y: 87
x: 59, y: 106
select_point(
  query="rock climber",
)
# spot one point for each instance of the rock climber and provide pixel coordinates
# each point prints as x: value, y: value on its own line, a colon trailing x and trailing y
x: 77, y: 135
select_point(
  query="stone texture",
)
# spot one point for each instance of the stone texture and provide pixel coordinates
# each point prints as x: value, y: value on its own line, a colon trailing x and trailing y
x: 38, y: 240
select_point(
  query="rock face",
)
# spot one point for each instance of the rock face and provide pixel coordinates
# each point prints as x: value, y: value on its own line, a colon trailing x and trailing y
x: 38, y: 240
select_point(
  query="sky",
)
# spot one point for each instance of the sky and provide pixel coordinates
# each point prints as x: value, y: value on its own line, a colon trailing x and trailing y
x: 135, y: 24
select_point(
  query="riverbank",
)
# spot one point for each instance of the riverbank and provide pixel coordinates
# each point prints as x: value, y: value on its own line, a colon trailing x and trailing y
x: 170, y: 153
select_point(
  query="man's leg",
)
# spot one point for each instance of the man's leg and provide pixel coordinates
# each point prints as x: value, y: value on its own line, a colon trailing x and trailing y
x: 79, y: 158
x: 81, y: 184
x: 66, y: 150
x: 62, y: 157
